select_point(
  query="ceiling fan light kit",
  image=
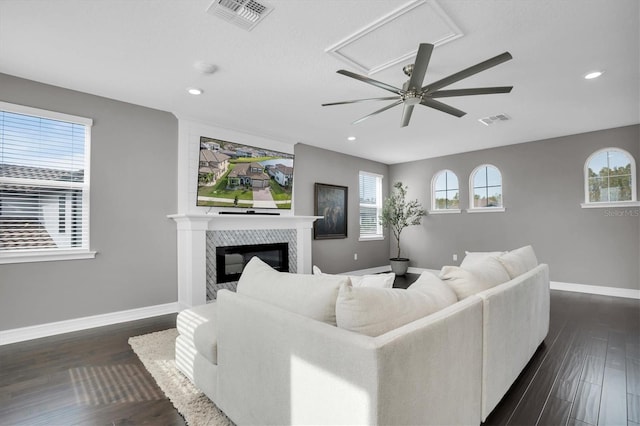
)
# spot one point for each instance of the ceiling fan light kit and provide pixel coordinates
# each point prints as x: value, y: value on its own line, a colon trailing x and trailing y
x: 413, y: 93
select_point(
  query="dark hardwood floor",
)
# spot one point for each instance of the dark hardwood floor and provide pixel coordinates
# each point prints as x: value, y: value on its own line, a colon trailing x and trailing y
x: 90, y: 377
x: 587, y: 372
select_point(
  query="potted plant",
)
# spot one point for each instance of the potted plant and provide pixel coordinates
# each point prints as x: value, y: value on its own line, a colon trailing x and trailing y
x: 397, y: 213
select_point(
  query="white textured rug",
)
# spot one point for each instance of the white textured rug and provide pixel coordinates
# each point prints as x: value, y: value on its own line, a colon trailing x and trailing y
x: 156, y: 351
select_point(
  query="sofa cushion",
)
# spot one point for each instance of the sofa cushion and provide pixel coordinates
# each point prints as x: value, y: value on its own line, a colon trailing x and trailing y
x: 462, y: 281
x: 206, y: 341
x: 375, y: 311
x: 313, y: 296
x: 519, y: 261
x: 190, y: 319
x: 199, y: 326
x: 369, y: 280
x: 473, y: 257
x: 490, y: 270
x: 432, y: 286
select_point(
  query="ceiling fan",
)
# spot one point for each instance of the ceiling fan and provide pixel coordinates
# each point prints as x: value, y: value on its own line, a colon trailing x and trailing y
x: 413, y: 93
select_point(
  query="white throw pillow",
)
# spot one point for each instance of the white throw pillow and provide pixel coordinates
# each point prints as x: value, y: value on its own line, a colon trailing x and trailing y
x: 439, y: 292
x: 473, y: 257
x: 371, y: 280
x: 519, y: 261
x: 462, y: 281
x: 375, y: 311
x: 313, y: 296
x: 490, y: 270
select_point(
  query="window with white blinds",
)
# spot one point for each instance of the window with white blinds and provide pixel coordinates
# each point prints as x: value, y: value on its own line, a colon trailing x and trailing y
x: 44, y: 182
x: 370, y: 205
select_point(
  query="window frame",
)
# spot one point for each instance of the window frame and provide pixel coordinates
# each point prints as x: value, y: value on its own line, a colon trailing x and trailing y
x: 435, y: 210
x: 379, y: 235
x: 55, y: 254
x: 473, y: 209
x: 587, y: 204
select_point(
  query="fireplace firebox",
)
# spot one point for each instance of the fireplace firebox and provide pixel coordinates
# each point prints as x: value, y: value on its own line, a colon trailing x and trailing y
x: 231, y: 260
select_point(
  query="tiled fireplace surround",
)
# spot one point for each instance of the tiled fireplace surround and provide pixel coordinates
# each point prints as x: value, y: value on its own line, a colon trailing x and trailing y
x: 199, y: 234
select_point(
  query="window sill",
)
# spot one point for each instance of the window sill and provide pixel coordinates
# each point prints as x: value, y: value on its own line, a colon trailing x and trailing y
x: 445, y: 211
x: 372, y: 238
x: 49, y: 256
x: 608, y: 205
x: 487, y: 210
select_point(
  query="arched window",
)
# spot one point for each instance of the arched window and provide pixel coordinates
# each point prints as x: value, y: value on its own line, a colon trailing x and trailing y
x: 445, y: 192
x: 609, y: 178
x: 485, y: 184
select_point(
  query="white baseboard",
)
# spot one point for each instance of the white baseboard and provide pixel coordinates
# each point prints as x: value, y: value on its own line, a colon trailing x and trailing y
x: 44, y: 330
x: 628, y: 293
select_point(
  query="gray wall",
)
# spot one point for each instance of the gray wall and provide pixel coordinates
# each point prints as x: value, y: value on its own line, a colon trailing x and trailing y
x: 133, y: 188
x: 542, y: 189
x: 319, y: 165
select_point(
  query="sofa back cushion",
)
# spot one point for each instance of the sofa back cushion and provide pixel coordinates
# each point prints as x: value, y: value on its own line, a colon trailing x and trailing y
x: 519, y: 261
x: 313, y: 296
x: 375, y: 311
x: 369, y: 280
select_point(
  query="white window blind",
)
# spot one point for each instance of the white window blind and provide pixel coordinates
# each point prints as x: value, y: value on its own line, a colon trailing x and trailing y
x: 44, y: 181
x: 370, y: 205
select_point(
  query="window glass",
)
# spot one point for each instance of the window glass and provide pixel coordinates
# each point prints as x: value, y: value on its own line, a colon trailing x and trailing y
x: 370, y: 190
x: 609, y: 176
x: 44, y: 185
x: 487, y: 187
x: 445, y: 190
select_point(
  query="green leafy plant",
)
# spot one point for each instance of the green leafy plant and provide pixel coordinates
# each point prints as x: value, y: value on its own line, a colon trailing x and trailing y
x: 397, y: 213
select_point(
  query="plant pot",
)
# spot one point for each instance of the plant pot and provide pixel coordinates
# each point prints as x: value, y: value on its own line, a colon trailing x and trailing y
x: 399, y: 265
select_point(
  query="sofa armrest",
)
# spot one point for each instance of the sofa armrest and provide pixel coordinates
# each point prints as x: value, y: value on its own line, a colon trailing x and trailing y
x: 515, y: 322
x: 278, y: 367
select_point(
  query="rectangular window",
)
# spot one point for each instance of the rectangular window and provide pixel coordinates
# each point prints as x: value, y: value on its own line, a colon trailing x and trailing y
x: 44, y: 185
x: 370, y: 206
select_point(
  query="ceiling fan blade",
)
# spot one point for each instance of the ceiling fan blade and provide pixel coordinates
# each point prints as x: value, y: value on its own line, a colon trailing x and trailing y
x: 420, y: 66
x: 406, y: 115
x: 390, y: 98
x: 371, y: 81
x: 468, y: 72
x: 469, y: 92
x: 442, y: 107
x: 378, y: 111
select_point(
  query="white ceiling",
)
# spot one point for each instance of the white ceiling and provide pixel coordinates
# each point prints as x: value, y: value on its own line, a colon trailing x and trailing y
x: 271, y: 81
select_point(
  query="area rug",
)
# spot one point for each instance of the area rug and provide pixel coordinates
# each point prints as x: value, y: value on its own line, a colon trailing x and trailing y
x: 156, y: 351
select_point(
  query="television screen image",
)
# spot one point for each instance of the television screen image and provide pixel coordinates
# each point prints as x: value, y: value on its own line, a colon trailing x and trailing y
x: 237, y: 175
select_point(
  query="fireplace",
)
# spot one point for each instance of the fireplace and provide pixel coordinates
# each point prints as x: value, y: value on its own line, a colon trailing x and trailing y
x: 230, y: 260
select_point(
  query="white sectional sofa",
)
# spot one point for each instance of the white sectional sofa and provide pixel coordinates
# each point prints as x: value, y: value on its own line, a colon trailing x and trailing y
x: 280, y: 357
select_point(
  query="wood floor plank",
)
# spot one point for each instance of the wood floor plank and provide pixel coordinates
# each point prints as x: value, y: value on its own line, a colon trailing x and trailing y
x: 586, y: 406
x: 613, y: 404
x: 593, y: 371
x: 633, y: 376
x: 556, y: 412
x: 633, y: 407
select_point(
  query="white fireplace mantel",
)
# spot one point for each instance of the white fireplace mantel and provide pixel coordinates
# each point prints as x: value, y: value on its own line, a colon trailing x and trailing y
x: 192, y: 230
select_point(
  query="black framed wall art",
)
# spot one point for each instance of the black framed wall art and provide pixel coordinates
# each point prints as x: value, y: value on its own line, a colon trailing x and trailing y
x: 331, y: 204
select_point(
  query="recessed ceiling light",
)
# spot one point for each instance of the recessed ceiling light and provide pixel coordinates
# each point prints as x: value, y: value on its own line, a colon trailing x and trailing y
x: 593, y: 74
x: 351, y: 138
x: 194, y: 91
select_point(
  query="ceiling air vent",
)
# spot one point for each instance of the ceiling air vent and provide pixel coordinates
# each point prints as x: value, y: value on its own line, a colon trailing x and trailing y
x: 487, y: 121
x: 242, y: 13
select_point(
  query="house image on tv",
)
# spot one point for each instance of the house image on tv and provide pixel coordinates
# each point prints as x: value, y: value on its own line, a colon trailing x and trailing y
x: 283, y: 174
x: 248, y: 174
x: 213, y: 165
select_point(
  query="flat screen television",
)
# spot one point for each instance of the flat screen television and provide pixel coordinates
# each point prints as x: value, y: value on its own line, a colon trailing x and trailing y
x: 242, y: 176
